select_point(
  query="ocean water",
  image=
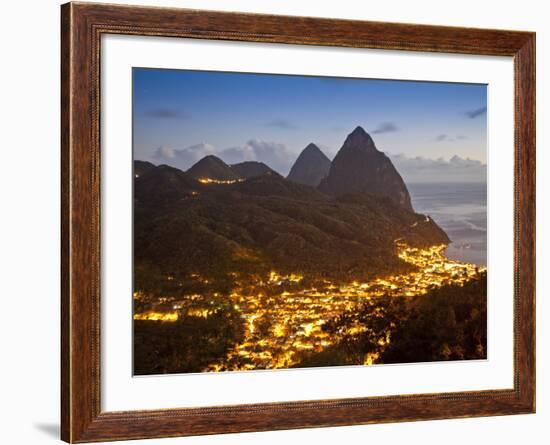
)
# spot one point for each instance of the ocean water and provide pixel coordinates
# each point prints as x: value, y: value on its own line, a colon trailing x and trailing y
x: 460, y: 209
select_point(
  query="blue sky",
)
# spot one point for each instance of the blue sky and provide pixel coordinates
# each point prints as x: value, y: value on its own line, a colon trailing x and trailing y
x: 179, y: 116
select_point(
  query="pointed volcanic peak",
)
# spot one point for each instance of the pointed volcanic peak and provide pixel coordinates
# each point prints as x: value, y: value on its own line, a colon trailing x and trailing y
x: 360, y: 168
x: 252, y: 169
x: 359, y: 141
x: 311, y: 167
x: 212, y: 168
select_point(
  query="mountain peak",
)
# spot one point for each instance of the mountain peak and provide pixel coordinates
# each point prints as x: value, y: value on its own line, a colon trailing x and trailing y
x: 359, y: 167
x: 311, y: 166
x: 212, y: 167
x: 211, y: 158
x: 142, y: 167
x: 162, y: 184
x: 311, y: 147
x: 359, y: 139
x: 359, y: 130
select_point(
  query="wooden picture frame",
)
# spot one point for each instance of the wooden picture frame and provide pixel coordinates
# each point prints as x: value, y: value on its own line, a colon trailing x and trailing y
x: 82, y: 26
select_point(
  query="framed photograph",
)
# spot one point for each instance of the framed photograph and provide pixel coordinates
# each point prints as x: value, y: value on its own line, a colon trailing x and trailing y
x: 274, y: 222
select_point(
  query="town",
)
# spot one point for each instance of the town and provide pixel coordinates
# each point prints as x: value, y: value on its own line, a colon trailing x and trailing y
x: 283, y: 318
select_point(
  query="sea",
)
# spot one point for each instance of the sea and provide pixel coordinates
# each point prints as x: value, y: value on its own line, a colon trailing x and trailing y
x: 460, y: 209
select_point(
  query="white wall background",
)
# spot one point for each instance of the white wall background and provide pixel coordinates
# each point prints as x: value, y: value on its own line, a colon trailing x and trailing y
x: 29, y: 222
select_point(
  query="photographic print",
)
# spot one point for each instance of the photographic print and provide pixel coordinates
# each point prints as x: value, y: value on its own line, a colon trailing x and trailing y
x: 287, y: 221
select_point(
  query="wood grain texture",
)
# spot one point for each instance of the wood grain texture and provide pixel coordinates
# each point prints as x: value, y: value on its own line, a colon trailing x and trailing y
x: 82, y: 27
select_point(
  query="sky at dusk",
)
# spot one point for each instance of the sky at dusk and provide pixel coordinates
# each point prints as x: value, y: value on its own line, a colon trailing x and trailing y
x: 432, y: 131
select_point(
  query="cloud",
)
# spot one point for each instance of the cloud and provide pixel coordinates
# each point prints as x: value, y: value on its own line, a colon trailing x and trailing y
x: 164, y: 152
x: 456, y: 169
x: 279, y: 158
x: 472, y: 114
x: 234, y: 155
x: 282, y: 124
x: 448, y: 138
x: 182, y: 158
x: 385, y: 127
x: 337, y: 129
x: 166, y: 113
x: 274, y: 154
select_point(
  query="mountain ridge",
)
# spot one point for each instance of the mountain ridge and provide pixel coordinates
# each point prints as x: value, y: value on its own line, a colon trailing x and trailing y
x: 250, y: 169
x: 265, y: 223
